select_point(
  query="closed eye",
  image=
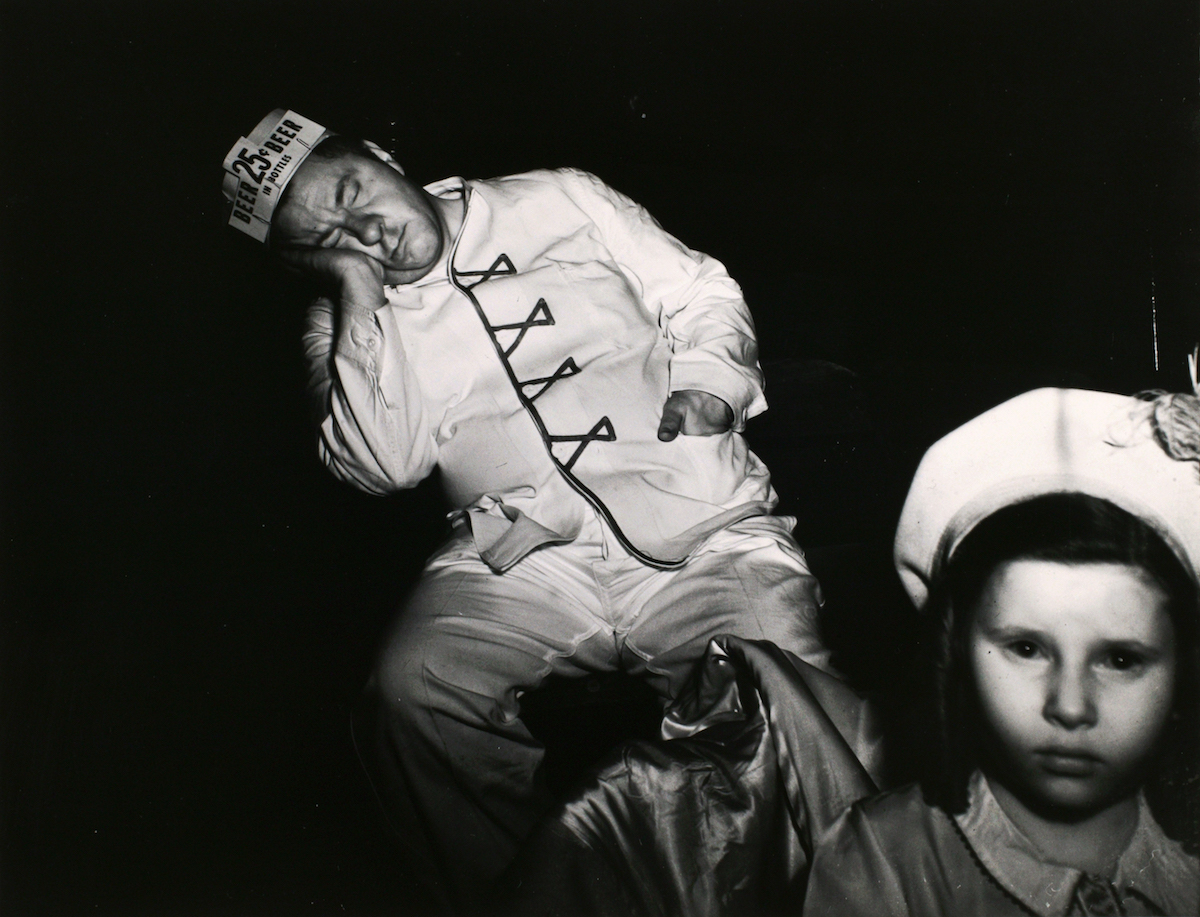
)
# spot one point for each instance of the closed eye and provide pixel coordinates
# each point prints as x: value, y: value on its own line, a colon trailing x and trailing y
x: 347, y: 193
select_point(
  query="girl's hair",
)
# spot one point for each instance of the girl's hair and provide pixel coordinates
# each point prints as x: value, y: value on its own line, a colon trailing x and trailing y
x: 1070, y: 528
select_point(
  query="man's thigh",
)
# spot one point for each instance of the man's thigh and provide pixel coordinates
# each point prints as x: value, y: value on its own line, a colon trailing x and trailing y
x: 752, y: 585
x: 467, y: 631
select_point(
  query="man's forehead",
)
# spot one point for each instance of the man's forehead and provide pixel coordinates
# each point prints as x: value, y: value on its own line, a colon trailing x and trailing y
x: 327, y: 182
x: 319, y: 179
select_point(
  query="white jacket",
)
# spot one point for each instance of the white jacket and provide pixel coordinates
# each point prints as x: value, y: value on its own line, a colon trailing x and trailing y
x: 533, y: 374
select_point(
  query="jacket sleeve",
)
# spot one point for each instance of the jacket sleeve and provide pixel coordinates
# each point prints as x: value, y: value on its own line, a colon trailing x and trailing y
x: 698, y: 306
x: 851, y: 873
x: 373, y: 428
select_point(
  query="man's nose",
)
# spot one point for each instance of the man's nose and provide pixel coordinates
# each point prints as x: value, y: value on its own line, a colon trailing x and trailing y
x: 367, y: 229
x: 1070, y: 698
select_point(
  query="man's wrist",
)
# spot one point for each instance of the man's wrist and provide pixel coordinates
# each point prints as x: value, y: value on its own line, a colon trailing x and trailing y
x: 362, y: 292
x: 361, y: 305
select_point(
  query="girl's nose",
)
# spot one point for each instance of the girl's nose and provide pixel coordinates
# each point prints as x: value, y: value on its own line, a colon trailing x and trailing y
x: 1069, y: 699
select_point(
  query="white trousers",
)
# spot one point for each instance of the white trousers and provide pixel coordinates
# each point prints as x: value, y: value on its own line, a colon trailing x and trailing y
x: 454, y: 766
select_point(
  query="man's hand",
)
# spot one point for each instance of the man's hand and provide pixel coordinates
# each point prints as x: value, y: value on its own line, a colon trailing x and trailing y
x: 352, y: 278
x: 694, y: 413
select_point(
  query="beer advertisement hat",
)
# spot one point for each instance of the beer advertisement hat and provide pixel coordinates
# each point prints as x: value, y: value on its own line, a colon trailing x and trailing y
x: 260, y: 165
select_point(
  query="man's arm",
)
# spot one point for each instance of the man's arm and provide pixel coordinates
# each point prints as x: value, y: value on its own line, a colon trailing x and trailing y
x: 697, y: 304
x: 373, y: 427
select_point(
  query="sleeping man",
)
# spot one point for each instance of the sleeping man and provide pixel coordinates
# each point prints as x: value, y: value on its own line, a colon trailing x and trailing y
x: 579, y: 379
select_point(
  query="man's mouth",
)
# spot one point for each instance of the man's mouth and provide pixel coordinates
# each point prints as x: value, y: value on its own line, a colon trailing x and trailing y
x: 394, y: 257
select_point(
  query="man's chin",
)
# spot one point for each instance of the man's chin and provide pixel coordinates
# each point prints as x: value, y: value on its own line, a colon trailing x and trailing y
x: 425, y: 252
x: 392, y: 276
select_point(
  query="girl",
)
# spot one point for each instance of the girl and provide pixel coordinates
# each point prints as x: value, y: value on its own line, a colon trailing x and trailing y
x: 1056, y: 539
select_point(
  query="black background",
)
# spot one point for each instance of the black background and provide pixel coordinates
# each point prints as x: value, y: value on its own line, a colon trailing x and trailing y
x: 951, y: 201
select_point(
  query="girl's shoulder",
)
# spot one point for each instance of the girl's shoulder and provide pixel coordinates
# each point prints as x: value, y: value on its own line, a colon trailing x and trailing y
x: 901, y: 827
x: 895, y: 853
x: 897, y: 811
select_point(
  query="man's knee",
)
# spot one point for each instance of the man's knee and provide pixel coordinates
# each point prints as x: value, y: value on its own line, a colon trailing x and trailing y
x: 424, y: 675
x: 398, y: 679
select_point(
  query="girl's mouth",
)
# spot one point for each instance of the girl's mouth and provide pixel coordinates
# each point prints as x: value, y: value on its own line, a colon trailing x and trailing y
x: 1063, y: 762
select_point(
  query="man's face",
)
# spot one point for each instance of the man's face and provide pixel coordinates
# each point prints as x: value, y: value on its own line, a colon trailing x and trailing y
x: 360, y: 204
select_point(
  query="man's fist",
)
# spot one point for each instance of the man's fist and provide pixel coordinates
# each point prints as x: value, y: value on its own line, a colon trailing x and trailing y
x: 351, y: 277
x: 694, y: 413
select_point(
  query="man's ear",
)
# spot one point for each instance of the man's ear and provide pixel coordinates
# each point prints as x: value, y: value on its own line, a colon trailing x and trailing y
x: 384, y: 156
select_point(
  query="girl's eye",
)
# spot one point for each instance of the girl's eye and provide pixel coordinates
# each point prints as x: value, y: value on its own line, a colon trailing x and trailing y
x: 1123, y: 661
x: 1025, y: 649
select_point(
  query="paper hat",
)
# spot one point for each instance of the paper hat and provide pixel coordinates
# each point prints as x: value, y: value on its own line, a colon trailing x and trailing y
x: 259, y: 167
x: 1054, y: 441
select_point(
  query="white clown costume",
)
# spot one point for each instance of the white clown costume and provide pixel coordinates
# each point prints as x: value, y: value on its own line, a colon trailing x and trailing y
x: 531, y: 373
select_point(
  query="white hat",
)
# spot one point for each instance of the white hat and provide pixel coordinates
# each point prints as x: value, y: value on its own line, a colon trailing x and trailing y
x: 259, y: 167
x: 1115, y: 447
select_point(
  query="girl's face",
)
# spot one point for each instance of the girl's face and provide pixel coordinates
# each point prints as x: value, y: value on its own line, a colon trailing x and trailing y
x: 1074, y: 665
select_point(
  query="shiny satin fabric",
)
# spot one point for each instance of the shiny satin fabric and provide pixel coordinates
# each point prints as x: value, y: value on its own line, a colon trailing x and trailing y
x: 720, y: 818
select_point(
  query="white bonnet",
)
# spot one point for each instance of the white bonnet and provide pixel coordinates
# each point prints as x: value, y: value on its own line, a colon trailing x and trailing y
x: 1143, y: 456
